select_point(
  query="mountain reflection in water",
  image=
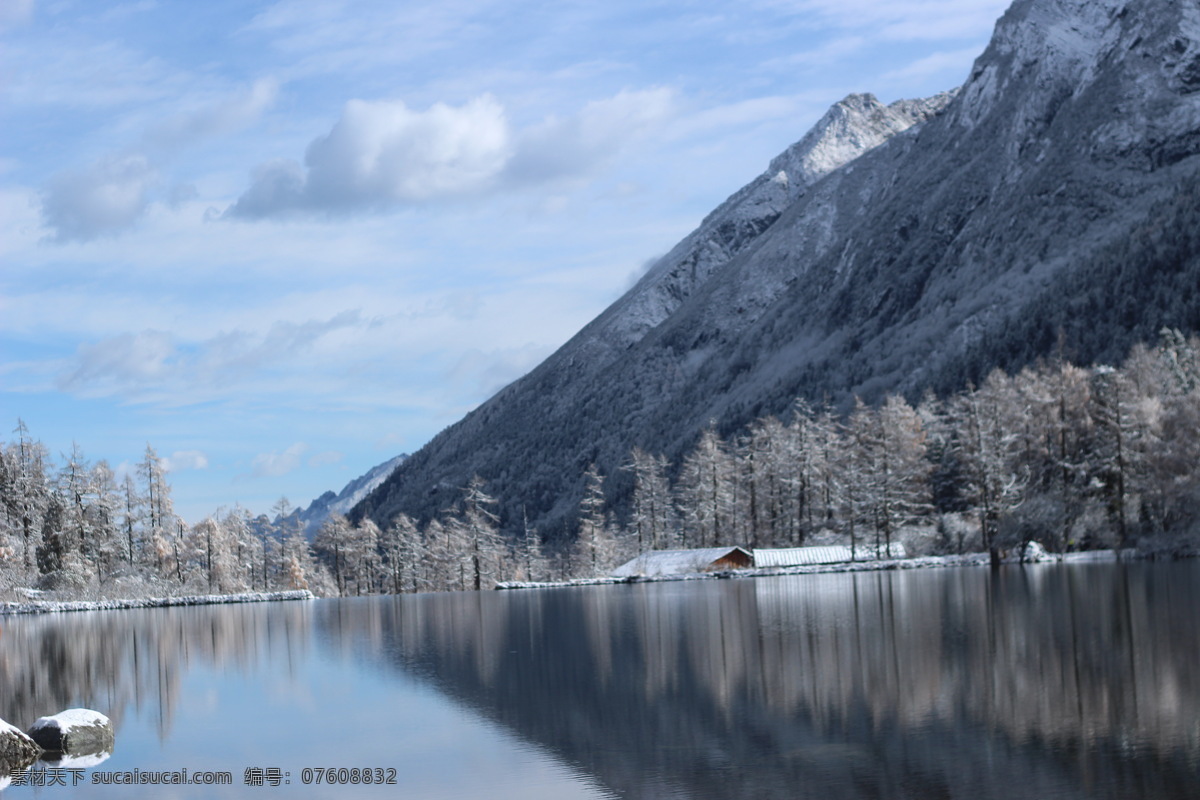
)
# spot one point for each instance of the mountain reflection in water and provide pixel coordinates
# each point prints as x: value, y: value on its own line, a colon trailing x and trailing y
x: 1049, y: 681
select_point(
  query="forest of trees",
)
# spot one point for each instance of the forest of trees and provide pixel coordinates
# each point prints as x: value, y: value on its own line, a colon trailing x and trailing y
x: 1074, y: 458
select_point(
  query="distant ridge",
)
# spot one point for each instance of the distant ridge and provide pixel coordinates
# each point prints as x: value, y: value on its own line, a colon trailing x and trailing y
x: 311, y: 518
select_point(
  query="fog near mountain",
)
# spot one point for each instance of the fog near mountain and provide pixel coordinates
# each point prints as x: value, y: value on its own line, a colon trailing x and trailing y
x: 1045, y: 206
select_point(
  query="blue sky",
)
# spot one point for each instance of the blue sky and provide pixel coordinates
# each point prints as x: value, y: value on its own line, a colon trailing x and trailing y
x: 282, y: 242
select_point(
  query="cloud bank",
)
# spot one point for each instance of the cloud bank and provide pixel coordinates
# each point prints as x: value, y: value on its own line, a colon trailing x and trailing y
x: 383, y: 154
x: 110, y: 195
x: 132, y: 364
x: 274, y: 465
x: 100, y: 200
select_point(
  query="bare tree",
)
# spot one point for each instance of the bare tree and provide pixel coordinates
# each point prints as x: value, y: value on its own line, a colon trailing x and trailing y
x: 705, y: 491
x: 596, y: 545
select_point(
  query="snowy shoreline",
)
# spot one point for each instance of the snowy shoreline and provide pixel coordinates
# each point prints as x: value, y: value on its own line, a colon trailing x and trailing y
x: 58, y: 606
x: 925, y: 562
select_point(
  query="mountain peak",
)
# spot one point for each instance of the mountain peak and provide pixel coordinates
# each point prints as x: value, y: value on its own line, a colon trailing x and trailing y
x: 853, y: 126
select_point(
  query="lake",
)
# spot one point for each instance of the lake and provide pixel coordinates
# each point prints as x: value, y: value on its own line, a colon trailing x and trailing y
x: 1048, y: 681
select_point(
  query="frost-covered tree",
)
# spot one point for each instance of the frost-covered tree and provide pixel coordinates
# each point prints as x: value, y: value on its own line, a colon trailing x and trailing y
x: 985, y: 444
x: 856, y: 465
x: 530, y: 557
x: 299, y: 566
x: 28, y: 494
x: 652, y: 518
x: 334, y: 544
x: 364, y: 560
x: 1122, y: 429
x: 131, y: 520
x: 404, y: 558
x: 596, y: 549
x: 162, y: 527
x: 815, y: 483
x: 903, y: 470
x: 706, y: 492
x: 765, y: 463
x: 449, y: 554
x: 481, y: 533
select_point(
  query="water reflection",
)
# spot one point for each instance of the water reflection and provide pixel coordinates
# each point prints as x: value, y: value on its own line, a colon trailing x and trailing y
x: 122, y: 661
x: 1045, y: 682
x: 1048, y: 682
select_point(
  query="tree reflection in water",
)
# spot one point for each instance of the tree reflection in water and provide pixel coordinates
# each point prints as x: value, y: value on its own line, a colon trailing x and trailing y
x: 1047, y: 681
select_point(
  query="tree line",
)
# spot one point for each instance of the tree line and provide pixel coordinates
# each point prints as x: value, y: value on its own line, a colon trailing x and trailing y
x: 1072, y: 457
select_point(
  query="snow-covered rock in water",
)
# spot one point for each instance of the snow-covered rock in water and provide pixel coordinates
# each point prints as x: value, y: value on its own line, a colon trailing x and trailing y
x: 76, y: 730
x: 1035, y: 552
x: 16, y: 749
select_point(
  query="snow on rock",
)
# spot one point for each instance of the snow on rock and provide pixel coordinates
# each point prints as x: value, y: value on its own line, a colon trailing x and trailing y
x: 1035, y: 552
x: 17, y: 750
x: 76, y: 730
x: 47, y: 606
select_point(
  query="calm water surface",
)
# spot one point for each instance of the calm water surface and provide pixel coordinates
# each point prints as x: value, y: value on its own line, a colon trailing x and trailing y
x: 1051, y: 681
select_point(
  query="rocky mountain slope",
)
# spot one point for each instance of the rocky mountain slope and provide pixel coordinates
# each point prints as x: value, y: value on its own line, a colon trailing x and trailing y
x: 1047, y: 203
x: 343, y: 502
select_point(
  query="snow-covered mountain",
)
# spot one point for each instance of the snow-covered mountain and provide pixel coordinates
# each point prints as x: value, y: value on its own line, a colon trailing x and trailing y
x: 1049, y: 202
x: 352, y: 494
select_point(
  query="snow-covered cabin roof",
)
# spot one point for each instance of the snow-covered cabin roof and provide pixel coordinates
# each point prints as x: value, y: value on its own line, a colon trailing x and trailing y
x: 829, y: 554
x: 798, y: 556
x: 683, y: 562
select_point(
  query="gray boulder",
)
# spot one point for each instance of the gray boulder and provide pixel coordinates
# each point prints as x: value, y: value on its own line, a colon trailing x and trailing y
x: 74, y: 731
x: 16, y: 749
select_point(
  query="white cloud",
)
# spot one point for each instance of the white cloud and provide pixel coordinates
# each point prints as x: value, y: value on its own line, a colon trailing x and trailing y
x: 902, y: 20
x: 830, y: 50
x: 323, y: 37
x: 111, y: 195
x: 933, y: 64
x: 182, y: 460
x: 135, y: 365
x: 215, y: 118
x: 384, y: 154
x: 559, y: 148
x: 746, y: 113
x: 84, y: 74
x: 274, y: 465
x: 325, y: 459
x: 127, y: 359
x: 103, y: 199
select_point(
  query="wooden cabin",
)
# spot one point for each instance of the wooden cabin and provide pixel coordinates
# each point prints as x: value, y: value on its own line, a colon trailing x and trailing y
x: 685, y: 562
